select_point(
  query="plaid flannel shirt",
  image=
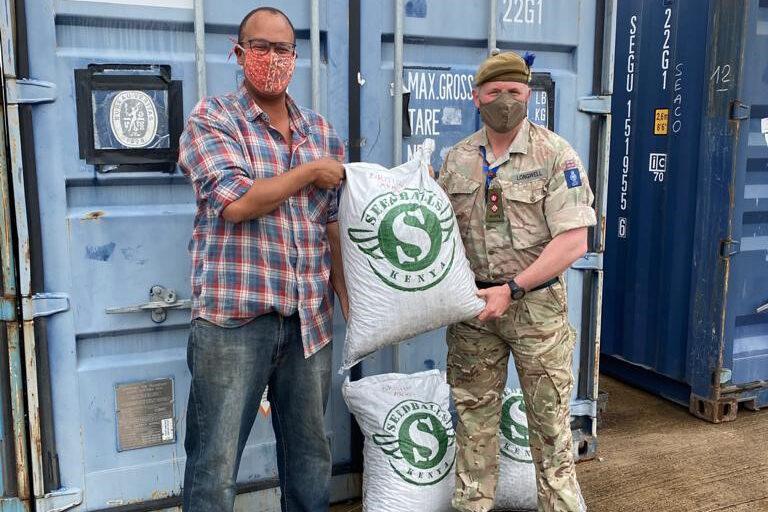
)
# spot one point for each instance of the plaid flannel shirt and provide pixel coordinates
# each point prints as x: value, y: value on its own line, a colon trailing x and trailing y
x: 279, y: 262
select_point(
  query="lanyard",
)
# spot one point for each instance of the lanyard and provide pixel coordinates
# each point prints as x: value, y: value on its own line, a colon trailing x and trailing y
x: 490, y: 172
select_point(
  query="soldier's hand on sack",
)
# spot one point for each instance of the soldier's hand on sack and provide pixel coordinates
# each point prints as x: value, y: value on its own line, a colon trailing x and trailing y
x: 497, y: 300
x: 327, y: 173
x: 431, y: 172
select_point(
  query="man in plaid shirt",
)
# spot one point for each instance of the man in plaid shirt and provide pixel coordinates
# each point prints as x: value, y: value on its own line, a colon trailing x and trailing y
x: 265, y: 248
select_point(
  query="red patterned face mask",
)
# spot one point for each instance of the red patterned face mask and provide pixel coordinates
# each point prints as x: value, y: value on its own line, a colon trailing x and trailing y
x: 268, y: 73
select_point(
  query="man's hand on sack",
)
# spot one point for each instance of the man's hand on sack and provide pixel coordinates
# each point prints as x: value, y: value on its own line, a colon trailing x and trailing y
x: 497, y: 300
x: 431, y: 172
x: 327, y: 173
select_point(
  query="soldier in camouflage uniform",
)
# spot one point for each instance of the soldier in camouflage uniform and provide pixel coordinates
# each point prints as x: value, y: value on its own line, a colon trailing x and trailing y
x: 522, y: 201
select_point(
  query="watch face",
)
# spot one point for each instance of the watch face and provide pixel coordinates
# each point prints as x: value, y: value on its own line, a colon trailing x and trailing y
x: 518, y: 294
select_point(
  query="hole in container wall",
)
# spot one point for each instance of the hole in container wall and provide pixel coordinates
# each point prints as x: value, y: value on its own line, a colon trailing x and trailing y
x: 583, y: 448
x: 726, y: 410
x: 701, y: 407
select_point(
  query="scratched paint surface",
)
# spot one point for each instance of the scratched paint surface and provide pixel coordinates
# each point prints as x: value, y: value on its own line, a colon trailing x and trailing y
x: 100, y: 252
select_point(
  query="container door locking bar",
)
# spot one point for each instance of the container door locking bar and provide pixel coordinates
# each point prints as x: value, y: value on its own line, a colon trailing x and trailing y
x: 161, y: 300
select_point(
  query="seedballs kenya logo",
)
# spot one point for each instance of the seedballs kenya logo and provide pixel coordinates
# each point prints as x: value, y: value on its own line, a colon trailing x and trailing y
x: 514, y: 430
x: 419, y: 440
x: 407, y: 238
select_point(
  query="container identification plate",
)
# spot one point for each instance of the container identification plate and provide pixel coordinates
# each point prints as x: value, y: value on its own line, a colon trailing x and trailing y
x: 144, y: 412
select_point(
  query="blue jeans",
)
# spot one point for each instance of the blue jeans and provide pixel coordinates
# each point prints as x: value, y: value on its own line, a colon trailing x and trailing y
x: 230, y: 369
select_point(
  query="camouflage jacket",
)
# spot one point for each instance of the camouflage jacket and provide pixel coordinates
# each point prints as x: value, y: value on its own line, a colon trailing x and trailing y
x: 544, y: 192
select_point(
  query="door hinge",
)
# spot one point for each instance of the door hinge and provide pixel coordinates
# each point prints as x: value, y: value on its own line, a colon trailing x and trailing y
x: 740, y: 111
x: 46, y: 304
x: 60, y: 500
x: 27, y: 91
x: 595, y: 104
x: 590, y: 261
x: 729, y: 247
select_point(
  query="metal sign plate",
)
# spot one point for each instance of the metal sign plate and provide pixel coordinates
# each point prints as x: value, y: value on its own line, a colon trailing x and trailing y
x: 144, y: 413
x: 130, y: 119
x: 439, y: 106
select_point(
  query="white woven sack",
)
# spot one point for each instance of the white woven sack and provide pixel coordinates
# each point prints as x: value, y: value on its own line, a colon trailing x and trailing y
x: 404, y: 261
x: 517, y: 476
x: 409, y: 448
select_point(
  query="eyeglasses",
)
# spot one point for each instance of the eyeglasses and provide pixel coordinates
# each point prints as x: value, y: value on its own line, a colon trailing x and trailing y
x: 263, y: 46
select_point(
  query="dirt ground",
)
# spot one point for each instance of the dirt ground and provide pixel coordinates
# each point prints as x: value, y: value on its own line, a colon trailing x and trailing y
x: 654, y: 456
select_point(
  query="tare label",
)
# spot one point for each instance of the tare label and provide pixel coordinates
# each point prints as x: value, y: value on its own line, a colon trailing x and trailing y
x: 440, y: 107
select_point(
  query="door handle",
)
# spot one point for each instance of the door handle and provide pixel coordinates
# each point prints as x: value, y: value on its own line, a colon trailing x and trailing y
x: 762, y: 308
x: 161, y: 300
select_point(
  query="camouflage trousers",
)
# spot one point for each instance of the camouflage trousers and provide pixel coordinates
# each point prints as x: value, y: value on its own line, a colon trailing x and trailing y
x: 536, y: 331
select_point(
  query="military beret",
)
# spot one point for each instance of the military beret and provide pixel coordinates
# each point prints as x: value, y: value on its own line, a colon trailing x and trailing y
x: 504, y: 67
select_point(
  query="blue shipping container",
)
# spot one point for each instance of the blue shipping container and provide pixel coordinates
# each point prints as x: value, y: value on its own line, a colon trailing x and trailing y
x: 686, y: 269
x: 118, y: 377
x: 442, y: 44
x: 92, y: 417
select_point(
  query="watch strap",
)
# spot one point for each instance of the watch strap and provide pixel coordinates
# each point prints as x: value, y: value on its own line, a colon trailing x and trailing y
x: 517, y: 291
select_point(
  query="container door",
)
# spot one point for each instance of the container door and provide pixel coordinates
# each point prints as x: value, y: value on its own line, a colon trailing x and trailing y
x: 116, y: 243
x: 444, y: 42
x: 686, y: 266
x: 657, y: 104
x: 748, y: 286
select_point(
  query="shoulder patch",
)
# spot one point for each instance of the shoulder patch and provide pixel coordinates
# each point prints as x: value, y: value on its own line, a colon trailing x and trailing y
x: 572, y: 177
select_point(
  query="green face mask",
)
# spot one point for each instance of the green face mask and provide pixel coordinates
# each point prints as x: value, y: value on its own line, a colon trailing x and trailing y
x: 504, y: 113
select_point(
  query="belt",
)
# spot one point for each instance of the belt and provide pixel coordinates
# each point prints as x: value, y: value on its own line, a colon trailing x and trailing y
x: 481, y: 285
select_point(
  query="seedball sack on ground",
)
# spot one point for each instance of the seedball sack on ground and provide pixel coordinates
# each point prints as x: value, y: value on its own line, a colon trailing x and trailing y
x: 516, y: 489
x: 404, y: 262
x: 409, y: 448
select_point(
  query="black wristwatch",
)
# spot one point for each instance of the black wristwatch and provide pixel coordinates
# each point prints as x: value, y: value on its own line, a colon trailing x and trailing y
x: 517, y: 292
